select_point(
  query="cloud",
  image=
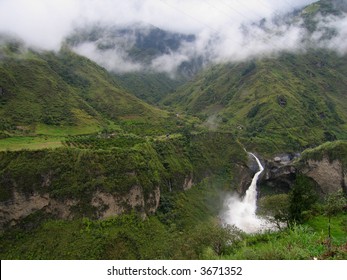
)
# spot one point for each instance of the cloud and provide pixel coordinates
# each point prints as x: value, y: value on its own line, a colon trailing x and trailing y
x: 331, y: 32
x: 169, y: 62
x: 112, y: 59
x: 225, y: 30
x: 39, y: 23
x: 45, y: 23
x: 255, y: 41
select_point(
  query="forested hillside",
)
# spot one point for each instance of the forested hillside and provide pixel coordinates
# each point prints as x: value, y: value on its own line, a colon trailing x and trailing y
x: 286, y: 102
x: 129, y: 141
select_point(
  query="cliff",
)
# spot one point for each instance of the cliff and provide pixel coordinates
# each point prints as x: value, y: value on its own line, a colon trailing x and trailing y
x: 327, y: 166
x: 69, y: 183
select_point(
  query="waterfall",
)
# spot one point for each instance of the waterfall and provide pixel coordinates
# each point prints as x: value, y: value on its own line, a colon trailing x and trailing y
x: 242, y: 212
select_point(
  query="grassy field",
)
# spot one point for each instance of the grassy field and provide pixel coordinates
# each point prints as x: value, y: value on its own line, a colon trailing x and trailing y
x: 338, y: 226
x: 60, y: 131
x: 30, y: 143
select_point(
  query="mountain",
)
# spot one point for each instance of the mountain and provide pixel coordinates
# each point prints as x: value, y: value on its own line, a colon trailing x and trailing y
x: 138, y: 56
x: 311, y: 14
x: 285, y: 101
x: 46, y: 89
x: 123, y: 179
x: 142, y: 43
x: 290, y: 101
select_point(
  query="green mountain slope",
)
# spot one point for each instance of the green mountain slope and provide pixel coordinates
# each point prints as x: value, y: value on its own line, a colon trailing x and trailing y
x: 140, y: 45
x: 285, y: 102
x: 291, y: 101
x: 311, y: 14
x: 39, y: 90
x: 151, y: 87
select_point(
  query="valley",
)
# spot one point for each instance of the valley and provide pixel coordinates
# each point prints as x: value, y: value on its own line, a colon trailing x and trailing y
x: 129, y: 142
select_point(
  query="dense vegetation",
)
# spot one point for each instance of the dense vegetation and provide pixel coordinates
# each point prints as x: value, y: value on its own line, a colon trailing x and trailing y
x: 41, y: 92
x: 70, y: 129
x: 183, y: 228
x: 288, y: 102
x: 336, y: 150
x: 116, y: 165
x: 151, y: 87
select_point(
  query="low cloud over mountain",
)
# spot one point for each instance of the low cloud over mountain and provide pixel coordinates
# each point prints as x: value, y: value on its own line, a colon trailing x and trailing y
x: 213, y: 31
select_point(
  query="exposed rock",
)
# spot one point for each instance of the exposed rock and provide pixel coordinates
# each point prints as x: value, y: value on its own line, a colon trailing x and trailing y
x: 106, y: 204
x: 244, y: 178
x: 47, y: 179
x: 60, y: 208
x: 109, y: 205
x: 279, y: 175
x: 273, y: 171
x: 277, y: 159
x: 153, y: 201
x: 22, y: 206
x: 188, y: 182
x: 330, y: 176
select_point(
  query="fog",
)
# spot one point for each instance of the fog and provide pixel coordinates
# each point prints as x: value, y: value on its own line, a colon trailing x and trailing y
x: 225, y: 30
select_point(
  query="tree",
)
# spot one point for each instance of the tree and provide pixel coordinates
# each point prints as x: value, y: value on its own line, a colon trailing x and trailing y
x: 210, y: 235
x: 334, y: 203
x: 302, y: 197
x: 277, y: 207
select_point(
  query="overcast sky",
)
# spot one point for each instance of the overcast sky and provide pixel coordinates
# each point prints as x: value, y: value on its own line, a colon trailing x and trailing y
x: 223, y: 28
x: 45, y: 23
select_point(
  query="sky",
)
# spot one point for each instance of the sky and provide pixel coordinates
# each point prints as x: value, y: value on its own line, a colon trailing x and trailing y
x: 45, y: 24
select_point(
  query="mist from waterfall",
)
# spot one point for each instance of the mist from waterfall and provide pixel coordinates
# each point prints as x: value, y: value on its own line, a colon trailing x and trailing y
x: 241, y: 212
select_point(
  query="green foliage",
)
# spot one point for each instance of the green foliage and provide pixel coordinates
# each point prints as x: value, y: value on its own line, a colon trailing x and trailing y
x: 254, y: 110
x: 183, y: 228
x: 185, y: 231
x: 336, y: 150
x: 297, y: 243
x: 277, y: 207
x: 291, y: 102
x: 310, y: 110
x: 52, y: 90
x: 335, y: 203
x: 103, y: 141
x: 338, y: 227
x: 72, y: 173
x: 322, y: 7
x: 124, y: 237
x: 115, y: 162
x: 302, y: 197
x: 36, y: 143
x: 208, y: 239
x: 150, y: 87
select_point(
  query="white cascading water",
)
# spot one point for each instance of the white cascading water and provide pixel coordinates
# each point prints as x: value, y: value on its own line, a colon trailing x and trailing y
x: 242, y: 212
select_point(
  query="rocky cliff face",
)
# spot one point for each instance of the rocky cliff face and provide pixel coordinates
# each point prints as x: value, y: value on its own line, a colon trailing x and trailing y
x: 244, y: 178
x: 329, y: 175
x: 21, y: 206
x: 109, y: 205
x: 105, y: 204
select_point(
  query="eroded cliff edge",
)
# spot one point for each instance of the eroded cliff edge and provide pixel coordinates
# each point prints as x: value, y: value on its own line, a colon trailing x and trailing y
x: 73, y: 183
